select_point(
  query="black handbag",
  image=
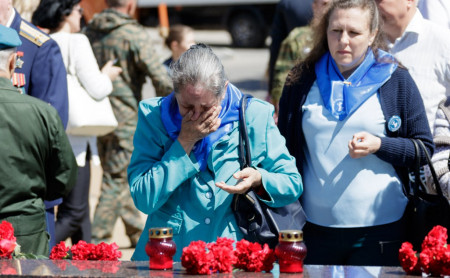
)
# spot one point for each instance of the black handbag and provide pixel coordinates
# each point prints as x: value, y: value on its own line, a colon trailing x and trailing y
x: 257, y: 221
x: 424, y: 210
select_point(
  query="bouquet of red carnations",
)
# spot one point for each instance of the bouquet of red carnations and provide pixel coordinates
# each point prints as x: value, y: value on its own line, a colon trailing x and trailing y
x: 86, y: 251
x: 83, y: 251
x: 434, y: 258
x: 208, y: 258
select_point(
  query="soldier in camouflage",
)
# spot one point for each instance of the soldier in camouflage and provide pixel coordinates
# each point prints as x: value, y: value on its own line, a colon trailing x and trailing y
x: 295, y: 48
x: 114, y: 34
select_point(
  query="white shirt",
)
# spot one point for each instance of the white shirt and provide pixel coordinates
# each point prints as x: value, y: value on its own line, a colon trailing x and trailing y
x: 437, y: 11
x: 424, y: 48
x: 97, y: 84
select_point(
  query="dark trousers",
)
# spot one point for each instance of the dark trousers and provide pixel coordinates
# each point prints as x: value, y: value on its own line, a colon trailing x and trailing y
x: 73, y: 214
x: 368, y: 246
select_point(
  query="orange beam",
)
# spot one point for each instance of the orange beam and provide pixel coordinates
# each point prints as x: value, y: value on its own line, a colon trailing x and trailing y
x: 163, y: 16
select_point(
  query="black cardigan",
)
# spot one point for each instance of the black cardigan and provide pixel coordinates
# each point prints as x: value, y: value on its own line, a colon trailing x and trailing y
x: 398, y: 96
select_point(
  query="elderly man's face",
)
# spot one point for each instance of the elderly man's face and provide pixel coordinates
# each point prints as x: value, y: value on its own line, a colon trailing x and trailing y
x: 196, y: 99
x: 5, y: 11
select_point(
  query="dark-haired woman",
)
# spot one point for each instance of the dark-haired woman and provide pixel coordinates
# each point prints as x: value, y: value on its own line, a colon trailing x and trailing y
x: 348, y: 112
x: 62, y: 18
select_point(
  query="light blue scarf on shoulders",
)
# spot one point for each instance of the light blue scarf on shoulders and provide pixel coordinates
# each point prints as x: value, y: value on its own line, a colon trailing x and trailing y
x: 171, y: 118
x: 343, y: 96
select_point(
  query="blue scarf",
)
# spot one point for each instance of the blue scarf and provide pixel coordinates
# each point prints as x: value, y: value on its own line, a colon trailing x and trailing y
x: 171, y: 118
x: 342, y: 97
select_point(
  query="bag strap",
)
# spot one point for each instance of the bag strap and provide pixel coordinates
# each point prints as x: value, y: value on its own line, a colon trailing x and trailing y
x: 245, y: 156
x: 444, y: 105
x: 420, y: 146
x: 416, y: 169
x: 432, y: 170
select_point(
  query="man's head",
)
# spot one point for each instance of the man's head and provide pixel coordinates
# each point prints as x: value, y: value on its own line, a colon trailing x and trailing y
x: 396, y: 15
x: 5, y: 11
x: 9, y: 40
x: 125, y: 6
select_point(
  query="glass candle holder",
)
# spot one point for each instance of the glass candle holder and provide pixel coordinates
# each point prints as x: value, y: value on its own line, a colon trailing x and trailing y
x: 160, y: 248
x: 291, y: 251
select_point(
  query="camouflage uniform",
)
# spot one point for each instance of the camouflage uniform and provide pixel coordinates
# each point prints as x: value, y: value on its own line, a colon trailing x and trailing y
x: 116, y: 35
x: 295, y: 47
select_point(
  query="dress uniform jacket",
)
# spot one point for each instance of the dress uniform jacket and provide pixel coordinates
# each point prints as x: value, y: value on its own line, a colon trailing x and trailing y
x: 36, y: 163
x: 43, y: 66
x: 169, y: 186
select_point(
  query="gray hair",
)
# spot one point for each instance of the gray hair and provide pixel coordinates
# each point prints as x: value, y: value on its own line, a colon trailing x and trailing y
x: 5, y: 54
x: 199, y: 67
x: 116, y: 3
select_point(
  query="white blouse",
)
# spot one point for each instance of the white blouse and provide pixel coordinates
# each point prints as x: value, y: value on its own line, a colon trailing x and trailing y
x: 97, y: 84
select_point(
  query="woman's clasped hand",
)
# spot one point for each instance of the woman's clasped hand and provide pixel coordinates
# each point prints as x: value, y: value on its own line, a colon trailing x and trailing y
x: 363, y: 144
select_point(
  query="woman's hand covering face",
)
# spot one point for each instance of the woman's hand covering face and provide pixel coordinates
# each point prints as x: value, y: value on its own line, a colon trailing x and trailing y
x: 200, y: 109
x: 197, y: 125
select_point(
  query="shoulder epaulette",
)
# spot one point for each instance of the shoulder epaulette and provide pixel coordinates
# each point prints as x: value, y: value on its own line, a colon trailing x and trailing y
x: 33, y: 35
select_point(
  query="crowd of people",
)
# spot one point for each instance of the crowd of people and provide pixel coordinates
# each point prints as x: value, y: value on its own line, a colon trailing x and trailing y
x: 349, y: 92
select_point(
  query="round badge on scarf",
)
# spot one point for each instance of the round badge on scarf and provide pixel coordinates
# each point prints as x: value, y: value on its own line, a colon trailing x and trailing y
x: 394, y: 123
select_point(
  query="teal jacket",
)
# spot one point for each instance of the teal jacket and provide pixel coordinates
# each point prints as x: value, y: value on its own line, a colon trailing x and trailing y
x: 166, y: 183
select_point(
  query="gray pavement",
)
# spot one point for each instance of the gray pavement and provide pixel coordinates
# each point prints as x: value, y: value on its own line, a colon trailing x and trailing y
x: 246, y: 68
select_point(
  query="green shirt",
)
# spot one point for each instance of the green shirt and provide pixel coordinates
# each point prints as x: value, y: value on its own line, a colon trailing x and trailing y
x: 36, y: 160
x: 294, y: 48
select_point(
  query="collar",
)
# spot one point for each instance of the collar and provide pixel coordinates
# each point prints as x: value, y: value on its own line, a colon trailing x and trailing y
x: 11, y: 18
x: 415, y: 26
x: 6, y: 83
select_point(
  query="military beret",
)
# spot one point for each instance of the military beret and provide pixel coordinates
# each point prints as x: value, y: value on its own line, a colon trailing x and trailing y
x: 8, y: 38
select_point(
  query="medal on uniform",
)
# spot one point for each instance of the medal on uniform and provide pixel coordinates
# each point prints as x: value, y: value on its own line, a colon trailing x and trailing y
x: 19, y: 61
x: 18, y: 80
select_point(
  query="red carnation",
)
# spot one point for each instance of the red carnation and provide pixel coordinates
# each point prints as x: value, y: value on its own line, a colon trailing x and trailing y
x: 252, y: 257
x: 434, y: 259
x: 224, y: 257
x: 446, y: 261
x: 408, y: 259
x: 7, y: 231
x: 435, y: 238
x: 7, y: 240
x: 59, y: 251
x: 106, y: 252
x: 195, y: 258
x: 83, y: 251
